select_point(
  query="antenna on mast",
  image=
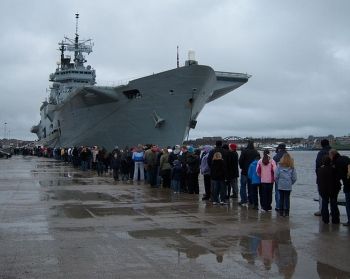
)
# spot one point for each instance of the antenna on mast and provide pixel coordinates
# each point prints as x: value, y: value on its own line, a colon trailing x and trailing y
x: 76, y: 23
x: 177, y: 56
x: 76, y: 42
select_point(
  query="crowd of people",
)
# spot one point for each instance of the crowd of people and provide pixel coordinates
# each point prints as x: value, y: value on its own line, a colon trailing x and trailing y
x: 179, y: 168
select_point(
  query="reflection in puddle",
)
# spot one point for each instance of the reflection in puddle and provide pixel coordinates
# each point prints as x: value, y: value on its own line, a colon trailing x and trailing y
x: 270, y: 252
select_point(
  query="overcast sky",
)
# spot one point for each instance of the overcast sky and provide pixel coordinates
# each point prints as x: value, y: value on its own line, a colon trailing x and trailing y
x: 298, y: 53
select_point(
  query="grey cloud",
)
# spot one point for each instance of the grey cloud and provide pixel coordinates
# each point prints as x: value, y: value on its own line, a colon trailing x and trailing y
x: 298, y: 53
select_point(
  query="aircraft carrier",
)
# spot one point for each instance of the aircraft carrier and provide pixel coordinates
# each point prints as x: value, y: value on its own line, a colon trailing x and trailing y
x: 159, y: 109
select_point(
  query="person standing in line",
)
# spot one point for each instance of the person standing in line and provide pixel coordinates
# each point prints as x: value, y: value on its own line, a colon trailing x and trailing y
x: 232, y: 171
x: 342, y: 170
x: 328, y: 187
x: 255, y: 181
x: 175, y: 154
x: 285, y: 177
x: 115, y: 163
x: 124, y: 167
x: 94, y: 154
x: 165, y: 168
x: 158, y: 175
x: 83, y: 159
x: 320, y: 155
x: 205, y: 171
x: 100, y: 161
x: 147, y: 152
x: 217, y: 172
x: 193, y: 163
x: 75, y: 158
x: 176, y: 176
x: 183, y: 160
x: 138, y: 158
x: 234, y: 182
x: 266, y: 170
x: 223, y: 152
x: 245, y: 159
x: 280, y: 151
x: 151, y: 165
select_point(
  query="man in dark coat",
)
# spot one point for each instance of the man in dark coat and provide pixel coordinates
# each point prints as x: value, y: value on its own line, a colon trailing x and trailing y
x: 320, y: 155
x: 342, y: 170
x: 183, y: 157
x: 248, y: 155
x: 328, y: 188
x: 232, y: 173
x: 193, y: 163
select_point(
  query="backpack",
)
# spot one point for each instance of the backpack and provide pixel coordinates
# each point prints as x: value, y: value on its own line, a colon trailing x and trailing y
x: 204, y: 165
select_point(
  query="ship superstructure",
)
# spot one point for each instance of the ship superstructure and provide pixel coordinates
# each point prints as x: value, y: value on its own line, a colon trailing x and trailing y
x: 160, y: 108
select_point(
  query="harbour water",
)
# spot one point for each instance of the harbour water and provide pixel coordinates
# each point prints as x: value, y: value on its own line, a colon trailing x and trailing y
x: 305, y: 187
x: 60, y: 222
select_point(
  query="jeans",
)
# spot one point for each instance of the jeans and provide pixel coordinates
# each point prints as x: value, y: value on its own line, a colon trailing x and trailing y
x: 152, y: 175
x: 277, y: 196
x: 219, y: 190
x: 334, y: 209
x: 139, y: 167
x: 84, y: 165
x: 347, y: 205
x: 284, y: 201
x: 243, y: 189
x: 100, y: 168
x: 175, y: 184
x: 266, y: 197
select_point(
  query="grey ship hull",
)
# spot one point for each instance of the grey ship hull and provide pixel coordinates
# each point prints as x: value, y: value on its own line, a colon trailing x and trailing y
x: 158, y: 109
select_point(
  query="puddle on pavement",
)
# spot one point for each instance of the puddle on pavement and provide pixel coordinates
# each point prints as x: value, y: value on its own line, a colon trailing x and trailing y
x: 64, y: 195
x: 270, y: 254
x: 83, y: 211
x: 162, y: 232
x: 328, y: 271
x: 75, y: 229
x: 64, y: 182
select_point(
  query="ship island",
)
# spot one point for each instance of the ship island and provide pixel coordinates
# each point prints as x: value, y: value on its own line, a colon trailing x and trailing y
x: 160, y: 108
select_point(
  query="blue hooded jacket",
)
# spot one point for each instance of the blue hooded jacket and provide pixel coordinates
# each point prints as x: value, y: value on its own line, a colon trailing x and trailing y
x: 252, y: 174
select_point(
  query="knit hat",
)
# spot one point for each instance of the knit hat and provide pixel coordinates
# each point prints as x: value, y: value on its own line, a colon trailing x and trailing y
x: 233, y: 146
x: 281, y: 146
x: 190, y: 149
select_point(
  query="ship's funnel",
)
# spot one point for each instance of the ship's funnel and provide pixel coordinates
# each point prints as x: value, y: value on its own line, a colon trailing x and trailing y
x: 191, y: 58
x: 191, y: 55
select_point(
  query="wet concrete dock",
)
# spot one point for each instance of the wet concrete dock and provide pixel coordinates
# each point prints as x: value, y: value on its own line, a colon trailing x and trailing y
x: 59, y: 222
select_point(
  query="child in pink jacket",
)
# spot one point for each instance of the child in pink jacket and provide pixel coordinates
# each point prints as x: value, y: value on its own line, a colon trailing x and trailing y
x: 266, y: 168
